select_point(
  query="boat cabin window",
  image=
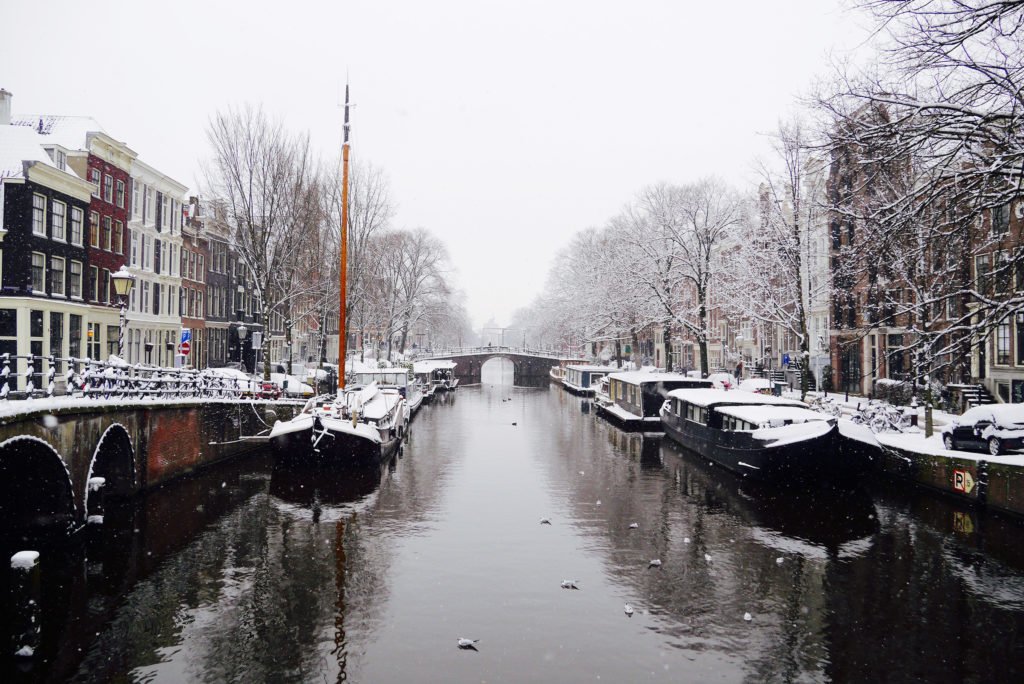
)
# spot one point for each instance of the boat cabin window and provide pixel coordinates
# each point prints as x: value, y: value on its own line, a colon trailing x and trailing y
x: 697, y: 414
x: 735, y: 424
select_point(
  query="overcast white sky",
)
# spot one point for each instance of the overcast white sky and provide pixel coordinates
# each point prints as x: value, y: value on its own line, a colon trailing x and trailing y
x: 504, y: 127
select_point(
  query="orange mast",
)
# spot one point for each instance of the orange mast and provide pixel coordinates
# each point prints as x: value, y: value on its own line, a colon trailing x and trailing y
x: 342, y: 334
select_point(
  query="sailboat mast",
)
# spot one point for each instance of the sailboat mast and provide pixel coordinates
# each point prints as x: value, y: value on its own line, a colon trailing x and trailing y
x: 342, y: 333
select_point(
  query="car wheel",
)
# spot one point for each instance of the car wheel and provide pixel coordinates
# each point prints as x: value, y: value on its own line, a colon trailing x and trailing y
x: 947, y: 440
x: 995, y: 446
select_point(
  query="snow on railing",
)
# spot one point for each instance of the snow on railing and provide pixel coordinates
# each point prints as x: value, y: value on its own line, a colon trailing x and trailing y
x: 115, y: 379
x: 492, y: 349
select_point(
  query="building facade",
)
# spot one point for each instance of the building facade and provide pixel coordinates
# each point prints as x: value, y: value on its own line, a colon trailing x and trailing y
x: 154, y: 318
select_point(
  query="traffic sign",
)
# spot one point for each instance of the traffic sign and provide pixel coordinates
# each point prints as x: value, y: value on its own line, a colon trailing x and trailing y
x: 962, y: 481
x: 184, y: 348
x: 186, y: 334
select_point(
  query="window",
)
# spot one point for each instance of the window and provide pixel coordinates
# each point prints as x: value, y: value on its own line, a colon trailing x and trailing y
x: 192, y: 266
x: 75, y: 279
x: 136, y: 204
x: 199, y: 304
x: 58, y: 221
x: 1001, y: 219
x: 1003, y: 343
x: 56, y: 276
x: 117, y: 240
x: 94, y: 178
x: 105, y: 242
x: 120, y: 193
x: 77, y: 216
x: 149, y: 204
x: 1020, y: 339
x: 75, y: 336
x: 94, y: 283
x: 38, y: 272
x: 113, y: 339
x: 39, y: 215
x: 145, y: 296
x: 94, y: 229
x: 1004, y: 273
x: 145, y: 260
x: 983, y: 268
x: 108, y: 188
x: 191, y: 307
x: 105, y: 287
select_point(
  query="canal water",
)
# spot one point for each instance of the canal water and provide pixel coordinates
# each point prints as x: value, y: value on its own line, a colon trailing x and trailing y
x: 252, y: 573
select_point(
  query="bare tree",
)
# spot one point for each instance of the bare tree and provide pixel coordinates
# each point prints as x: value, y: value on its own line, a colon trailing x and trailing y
x: 265, y: 178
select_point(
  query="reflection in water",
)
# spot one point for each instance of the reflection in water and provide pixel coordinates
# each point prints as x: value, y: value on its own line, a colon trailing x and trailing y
x: 256, y: 573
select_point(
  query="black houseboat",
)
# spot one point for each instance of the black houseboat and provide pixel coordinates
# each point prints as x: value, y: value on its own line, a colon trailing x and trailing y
x: 759, y: 436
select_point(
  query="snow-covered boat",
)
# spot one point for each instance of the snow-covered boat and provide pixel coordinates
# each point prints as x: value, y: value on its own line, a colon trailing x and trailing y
x: 359, y: 426
x: 556, y: 374
x: 634, y: 398
x: 399, y: 380
x: 440, y: 374
x: 759, y: 436
x: 583, y: 379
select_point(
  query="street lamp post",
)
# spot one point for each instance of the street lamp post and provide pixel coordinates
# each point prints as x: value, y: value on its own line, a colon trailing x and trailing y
x: 123, y: 282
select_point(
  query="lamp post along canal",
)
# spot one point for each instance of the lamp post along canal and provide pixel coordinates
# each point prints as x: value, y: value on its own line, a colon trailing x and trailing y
x: 123, y: 282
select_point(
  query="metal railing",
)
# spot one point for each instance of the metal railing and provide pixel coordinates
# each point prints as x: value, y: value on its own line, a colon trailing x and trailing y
x: 105, y: 380
x: 494, y: 349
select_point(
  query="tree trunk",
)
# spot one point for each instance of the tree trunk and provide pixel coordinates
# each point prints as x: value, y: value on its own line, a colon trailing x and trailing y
x: 265, y: 346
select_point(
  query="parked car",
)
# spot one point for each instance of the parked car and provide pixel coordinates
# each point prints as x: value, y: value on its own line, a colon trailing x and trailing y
x: 995, y: 428
x: 295, y: 387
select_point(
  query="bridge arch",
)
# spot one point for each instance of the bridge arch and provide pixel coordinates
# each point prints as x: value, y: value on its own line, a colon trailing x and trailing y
x: 500, y: 360
x: 114, y: 461
x: 35, y: 487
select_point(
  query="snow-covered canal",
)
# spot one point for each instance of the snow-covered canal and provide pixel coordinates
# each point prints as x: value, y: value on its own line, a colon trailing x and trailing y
x: 250, y: 573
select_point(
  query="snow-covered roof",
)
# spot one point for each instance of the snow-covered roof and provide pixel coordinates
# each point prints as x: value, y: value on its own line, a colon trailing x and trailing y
x: 755, y: 384
x: 765, y: 414
x: 640, y: 377
x: 428, y: 366
x: 590, y: 368
x: 709, y: 397
x: 69, y: 132
x: 18, y: 145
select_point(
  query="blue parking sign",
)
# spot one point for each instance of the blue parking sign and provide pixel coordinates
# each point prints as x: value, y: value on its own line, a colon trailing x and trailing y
x: 785, y: 359
x: 186, y: 335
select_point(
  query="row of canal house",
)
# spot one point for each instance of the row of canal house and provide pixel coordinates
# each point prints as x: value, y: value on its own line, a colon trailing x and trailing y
x: 77, y: 205
x: 857, y: 335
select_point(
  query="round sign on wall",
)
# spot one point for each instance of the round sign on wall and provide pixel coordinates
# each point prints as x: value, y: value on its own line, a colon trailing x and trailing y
x: 184, y: 348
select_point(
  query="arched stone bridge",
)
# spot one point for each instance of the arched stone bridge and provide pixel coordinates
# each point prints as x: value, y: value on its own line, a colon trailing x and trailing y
x: 530, y: 366
x: 49, y: 453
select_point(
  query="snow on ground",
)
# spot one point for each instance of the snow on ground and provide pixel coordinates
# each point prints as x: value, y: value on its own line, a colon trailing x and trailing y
x: 933, y: 446
x: 9, y: 409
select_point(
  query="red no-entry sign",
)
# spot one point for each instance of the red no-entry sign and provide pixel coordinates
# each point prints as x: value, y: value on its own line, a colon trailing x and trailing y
x: 184, y: 348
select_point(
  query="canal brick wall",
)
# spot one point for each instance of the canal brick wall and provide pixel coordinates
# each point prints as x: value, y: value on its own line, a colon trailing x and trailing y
x: 978, y: 481
x: 133, y: 446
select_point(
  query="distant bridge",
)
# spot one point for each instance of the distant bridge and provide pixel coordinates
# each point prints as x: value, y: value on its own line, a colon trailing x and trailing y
x: 530, y: 366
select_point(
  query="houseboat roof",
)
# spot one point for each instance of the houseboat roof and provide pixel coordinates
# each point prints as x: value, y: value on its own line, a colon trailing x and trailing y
x: 588, y: 367
x: 369, y: 371
x: 759, y: 415
x: 640, y: 377
x: 713, y: 397
x: 428, y: 366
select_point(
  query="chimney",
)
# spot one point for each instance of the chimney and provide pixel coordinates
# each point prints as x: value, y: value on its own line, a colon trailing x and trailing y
x: 5, y: 107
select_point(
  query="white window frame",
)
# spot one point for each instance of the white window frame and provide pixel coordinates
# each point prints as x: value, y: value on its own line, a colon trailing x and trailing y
x: 72, y: 279
x: 94, y: 178
x: 42, y: 263
x: 77, y: 218
x: 119, y: 194
x: 62, y: 216
x: 39, y: 215
x: 136, y: 204
x: 64, y: 276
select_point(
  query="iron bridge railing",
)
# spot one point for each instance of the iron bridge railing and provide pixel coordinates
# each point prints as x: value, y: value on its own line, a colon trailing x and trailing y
x: 104, y: 380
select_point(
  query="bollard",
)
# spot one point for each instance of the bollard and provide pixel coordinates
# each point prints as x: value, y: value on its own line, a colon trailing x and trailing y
x: 95, y: 510
x: 26, y: 587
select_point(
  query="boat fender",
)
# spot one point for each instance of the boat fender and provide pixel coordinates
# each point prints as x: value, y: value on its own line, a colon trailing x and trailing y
x: 355, y: 417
